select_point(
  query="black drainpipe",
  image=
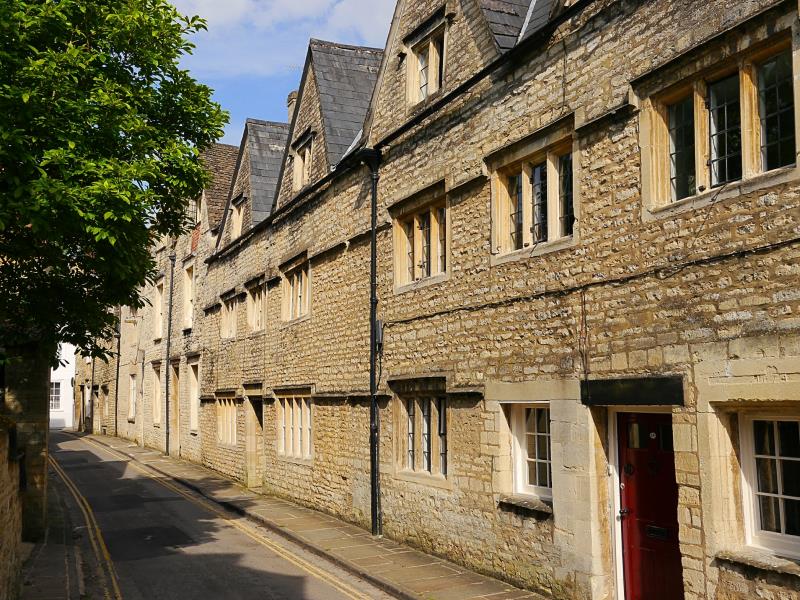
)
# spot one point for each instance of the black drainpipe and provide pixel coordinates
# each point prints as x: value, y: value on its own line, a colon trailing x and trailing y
x: 167, y: 364
x: 116, y: 380
x: 372, y: 158
x: 90, y: 416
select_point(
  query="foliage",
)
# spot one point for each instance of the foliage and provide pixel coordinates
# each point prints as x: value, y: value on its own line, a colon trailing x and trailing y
x: 100, y: 137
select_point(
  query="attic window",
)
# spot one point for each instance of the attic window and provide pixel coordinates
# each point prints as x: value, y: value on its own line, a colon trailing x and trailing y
x: 426, y: 69
x: 302, y: 164
x: 236, y: 217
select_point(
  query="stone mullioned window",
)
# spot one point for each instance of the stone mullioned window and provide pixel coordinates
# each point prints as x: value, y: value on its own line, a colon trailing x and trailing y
x: 727, y: 123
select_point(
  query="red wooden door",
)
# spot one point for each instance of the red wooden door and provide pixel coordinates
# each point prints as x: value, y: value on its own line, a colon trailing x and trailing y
x: 649, y: 500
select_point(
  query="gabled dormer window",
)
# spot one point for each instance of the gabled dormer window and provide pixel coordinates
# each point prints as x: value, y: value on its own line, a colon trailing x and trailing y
x: 426, y: 67
x: 237, y: 215
x: 302, y: 164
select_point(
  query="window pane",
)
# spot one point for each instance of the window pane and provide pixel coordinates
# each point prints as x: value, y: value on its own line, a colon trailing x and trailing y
x: 634, y: 437
x: 770, y: 513
x: 425, y: 251
x: 789, y: 436
x: 539, y: 181
x: 542, y: 472
x: 542, y: 420
x: 681, y: 134
x: 515, y: 218
x: 791, y: 509
x: 543, y: 447
x: 441, y: 218
x: 764, y: 437
x: 408, y: 227
x: 790, y: 473
x: 767, y: 471
x: 776, y: 104
x: 566, y: 195
x: 726, y: 135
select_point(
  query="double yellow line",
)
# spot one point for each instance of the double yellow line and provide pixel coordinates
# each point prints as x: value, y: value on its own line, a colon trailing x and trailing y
x: 250, y: 532
x: 105, y: 563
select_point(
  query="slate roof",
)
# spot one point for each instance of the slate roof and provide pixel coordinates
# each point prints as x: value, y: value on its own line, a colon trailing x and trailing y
x: 345, y: 77
x: 220, y: 160
x: 514, y: 20
x: 266, y: 141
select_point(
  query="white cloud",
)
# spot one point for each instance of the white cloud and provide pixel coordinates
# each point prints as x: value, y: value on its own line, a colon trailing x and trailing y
x: 268, y: 37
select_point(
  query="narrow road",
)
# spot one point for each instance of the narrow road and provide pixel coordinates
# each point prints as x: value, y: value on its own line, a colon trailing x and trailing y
x: 160, y: 541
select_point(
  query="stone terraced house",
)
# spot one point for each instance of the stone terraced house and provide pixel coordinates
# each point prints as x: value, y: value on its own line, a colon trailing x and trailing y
x: 588, y: 283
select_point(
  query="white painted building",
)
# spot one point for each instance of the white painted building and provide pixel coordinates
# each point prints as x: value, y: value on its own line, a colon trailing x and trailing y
x: 62, y: 380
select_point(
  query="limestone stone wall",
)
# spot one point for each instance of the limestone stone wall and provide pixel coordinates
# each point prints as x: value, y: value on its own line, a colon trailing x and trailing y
x: 10, y: 517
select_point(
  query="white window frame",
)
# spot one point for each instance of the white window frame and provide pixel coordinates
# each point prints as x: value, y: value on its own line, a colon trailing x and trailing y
x: 55, y: 395
x: 194, y: 395
x: 295, y: 418
x: 227, y: 421
x: 422, y: 447
x: 520, y: 453
x: 189, y: 287
x: 301, y: 165
x: 157, y: 394
x: 779, y: 543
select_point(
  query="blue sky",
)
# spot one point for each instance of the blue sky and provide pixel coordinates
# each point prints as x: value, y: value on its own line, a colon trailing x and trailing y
x: 253, y: 52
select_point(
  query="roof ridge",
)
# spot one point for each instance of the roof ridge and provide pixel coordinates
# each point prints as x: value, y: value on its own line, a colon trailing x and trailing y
x: 264, y: 122
x: 326, y: 43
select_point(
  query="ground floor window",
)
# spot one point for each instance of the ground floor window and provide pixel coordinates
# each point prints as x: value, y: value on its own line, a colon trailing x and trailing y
x: 425, y: 434
x: 226, y: 421
x: 295, y: 426
x: 533, y: 471
x: 772, y: 462
x: 55, y: 395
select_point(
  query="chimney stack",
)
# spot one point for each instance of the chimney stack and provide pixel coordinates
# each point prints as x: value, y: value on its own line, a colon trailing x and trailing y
x: 290, y: 103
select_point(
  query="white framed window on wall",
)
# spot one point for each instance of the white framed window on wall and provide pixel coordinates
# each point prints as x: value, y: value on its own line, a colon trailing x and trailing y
x: 531, y: 450
x: 256, y: 302
x: 301, y: 162
x: 132, y: 396
x: 426, y: 66
x: 295, y: 426
x: 720, y: 127
x: 194, y: 396
x: 424, y: 446
x: 226, y: 421
x: 533, y: 198
x: 771, y: 466
x: 55, y: 395
x: 237, y: 217
x: 158, y: 310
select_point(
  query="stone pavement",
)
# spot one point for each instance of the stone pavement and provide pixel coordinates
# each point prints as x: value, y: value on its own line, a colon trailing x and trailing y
x: 395, y: 568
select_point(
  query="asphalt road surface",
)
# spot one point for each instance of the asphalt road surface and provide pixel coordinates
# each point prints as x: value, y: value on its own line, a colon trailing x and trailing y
x: 158, y: 540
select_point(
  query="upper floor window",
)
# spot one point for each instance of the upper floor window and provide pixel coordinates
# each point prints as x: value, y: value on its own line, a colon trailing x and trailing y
x: 188, y: 296
x: 426, y: 67
x: 534, y: 199
x: 237, y: 217
x: 771, y: 459
x: 296, y: 291
x: 302, y: 165
x: 255, y: 308
x: 710, y: 132
x: 421, y: 248
x: 158, y: 310
x: 228, y: 318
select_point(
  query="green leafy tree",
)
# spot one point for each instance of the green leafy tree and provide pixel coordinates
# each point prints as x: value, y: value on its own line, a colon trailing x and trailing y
x: 101, y: 132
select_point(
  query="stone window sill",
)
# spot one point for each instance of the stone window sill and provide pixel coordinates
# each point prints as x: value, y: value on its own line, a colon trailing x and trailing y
x: 735, y: 189
x: 760, y: 559
x: 303, y: 462
x: 424, y: 478
x: 535, y: 250
x: 422, y: 283
x: 525, y: 504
